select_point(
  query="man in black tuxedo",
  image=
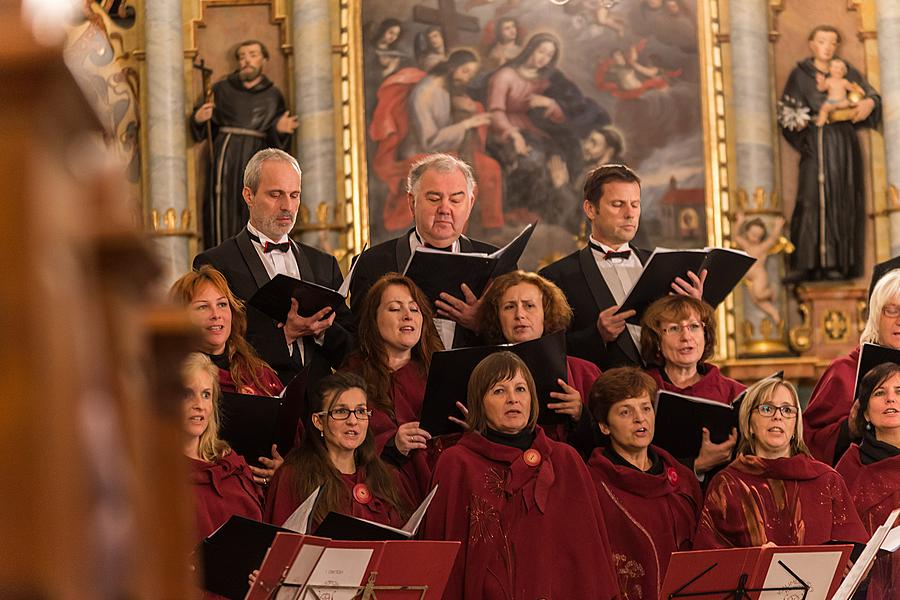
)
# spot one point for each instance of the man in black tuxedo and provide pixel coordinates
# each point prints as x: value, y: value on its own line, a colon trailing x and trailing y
x: 597, y: 278
x: 440, y: 192
x: 262, y: 250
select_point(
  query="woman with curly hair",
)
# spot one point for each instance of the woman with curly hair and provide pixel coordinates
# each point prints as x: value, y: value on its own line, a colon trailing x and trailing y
x: 521, y: 306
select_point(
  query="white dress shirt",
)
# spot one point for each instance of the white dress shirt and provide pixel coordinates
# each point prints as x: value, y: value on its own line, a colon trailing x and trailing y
x: 620, y: 275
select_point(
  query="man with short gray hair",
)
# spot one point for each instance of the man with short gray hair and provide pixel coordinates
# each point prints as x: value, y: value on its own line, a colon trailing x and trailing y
x: 441, y: 194
x: 262, y: 250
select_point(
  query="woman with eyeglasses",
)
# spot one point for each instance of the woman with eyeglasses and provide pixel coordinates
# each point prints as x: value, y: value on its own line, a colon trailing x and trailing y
x: 678, y: 334
x: 774, y: 492
x: 522, y: 505
x: 871, y: 468
x: 338, y: 453
x: 831, y: 423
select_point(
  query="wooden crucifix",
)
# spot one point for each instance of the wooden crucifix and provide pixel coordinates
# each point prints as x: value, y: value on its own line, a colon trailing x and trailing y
x: 446, y: 16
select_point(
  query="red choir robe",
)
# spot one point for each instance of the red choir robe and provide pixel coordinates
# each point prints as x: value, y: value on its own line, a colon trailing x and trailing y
x: 712, y: 385
x: 221, y: 489
x: 271, y: 384
x: 875, y: 488
x: 788, y: 501
x: 829, y: 406
x: 648, y: 517
x: 530, y: 522
x: 282, y: 501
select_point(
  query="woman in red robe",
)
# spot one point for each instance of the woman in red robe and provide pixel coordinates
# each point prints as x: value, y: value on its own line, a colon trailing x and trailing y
x: 871, y: 469
x: 829, y: 430
x: 651, y: 501
x: 522, y: 505
x: 678, y: 334
x: 222, y: 483
x: 397, y: 338
x: 222, y: 321
x: 338, y: 453
x: 520, y: 307
x: 774, y: 491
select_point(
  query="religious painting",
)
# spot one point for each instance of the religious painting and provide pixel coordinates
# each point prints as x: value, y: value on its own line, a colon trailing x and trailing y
x: 534, y: 94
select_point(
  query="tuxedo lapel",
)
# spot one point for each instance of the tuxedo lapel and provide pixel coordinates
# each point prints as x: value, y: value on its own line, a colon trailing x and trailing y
x: 306, y: 271
x: 403, y: 251
x: 595, y: 282
x: 248, y: 252
x: 465, y: 244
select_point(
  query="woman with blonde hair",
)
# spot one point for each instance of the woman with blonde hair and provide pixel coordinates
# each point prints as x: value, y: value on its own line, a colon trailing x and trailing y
x: 221, y: 480
x: 774, y: 491
x: 831, y: 423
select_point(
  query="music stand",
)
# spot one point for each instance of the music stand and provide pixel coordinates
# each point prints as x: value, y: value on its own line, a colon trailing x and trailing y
x: 744, y: 573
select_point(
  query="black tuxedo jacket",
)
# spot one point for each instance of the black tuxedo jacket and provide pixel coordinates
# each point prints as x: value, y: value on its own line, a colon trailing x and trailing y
x: 238, y: 261
x: 392, y: 256
x: 579, y: 278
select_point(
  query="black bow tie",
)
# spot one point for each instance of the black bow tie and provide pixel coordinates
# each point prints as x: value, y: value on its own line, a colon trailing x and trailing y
x: 269, y: 246
x: 624, y: 254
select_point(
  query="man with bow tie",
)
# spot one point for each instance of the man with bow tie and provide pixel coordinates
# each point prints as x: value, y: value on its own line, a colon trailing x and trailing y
x: 441, y: 194
x: 597, y: 278
x: 262, y: 250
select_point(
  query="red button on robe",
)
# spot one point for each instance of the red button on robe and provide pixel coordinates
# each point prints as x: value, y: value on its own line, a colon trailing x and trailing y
x: 282, y: 501
x: 829, y: 406
x: 222, y: 489
x: 788, y: 501
x: 527, y: 532
x: 875, y: 489
x: 647, y: 518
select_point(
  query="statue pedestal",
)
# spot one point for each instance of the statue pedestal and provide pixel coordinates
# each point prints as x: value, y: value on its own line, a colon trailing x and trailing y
x: 833, y: 319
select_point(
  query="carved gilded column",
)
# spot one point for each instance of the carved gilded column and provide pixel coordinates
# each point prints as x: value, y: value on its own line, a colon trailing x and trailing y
x: 167, y: 161
x: 314, y: 103
x: 888, y: 19
x: 757, y: 222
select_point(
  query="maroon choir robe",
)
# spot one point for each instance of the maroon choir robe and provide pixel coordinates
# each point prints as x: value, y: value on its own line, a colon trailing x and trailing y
x: 788, y: 501
x: 712, y: 385
x: 875, y: 488
x: 825, y: 416
x: 648, y: 517
x: 271, y: 384
x: 221, y: 489
x: 282, y: 500
x: 530, y: 522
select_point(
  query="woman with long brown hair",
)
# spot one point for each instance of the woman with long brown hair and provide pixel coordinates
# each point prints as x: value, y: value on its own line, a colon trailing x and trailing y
x: 338, y: 453
x: 223, y: 324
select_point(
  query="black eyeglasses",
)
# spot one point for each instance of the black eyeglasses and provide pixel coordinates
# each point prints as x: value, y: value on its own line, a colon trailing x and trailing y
x: 342, y: 414
x: 768, y: 410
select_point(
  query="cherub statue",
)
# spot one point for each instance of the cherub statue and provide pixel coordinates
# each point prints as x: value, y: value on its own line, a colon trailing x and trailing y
x: 754, y: 238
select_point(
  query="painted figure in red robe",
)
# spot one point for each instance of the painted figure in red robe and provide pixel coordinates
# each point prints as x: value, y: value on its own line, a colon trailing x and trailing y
x: 522, y: 505
x: 871, y: 468
x: 520, y: 307
x: 338, y: 453
x: 223, y: 323
x: 775, y: 492
x: 678, y: 334
x: 397, y: 338
x: 221, y: 480
x: 831, y: 412
x: 651, y: 501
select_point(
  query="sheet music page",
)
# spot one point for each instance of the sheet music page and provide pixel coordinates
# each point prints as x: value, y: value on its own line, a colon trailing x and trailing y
x: 344, y: 290
x: 412, y: 525
x: 864, y: 562
x: 299, y: 572
x: 299, y: 519
x: 892, y: 541
x: 815, y: 568
x: 337, y: 566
